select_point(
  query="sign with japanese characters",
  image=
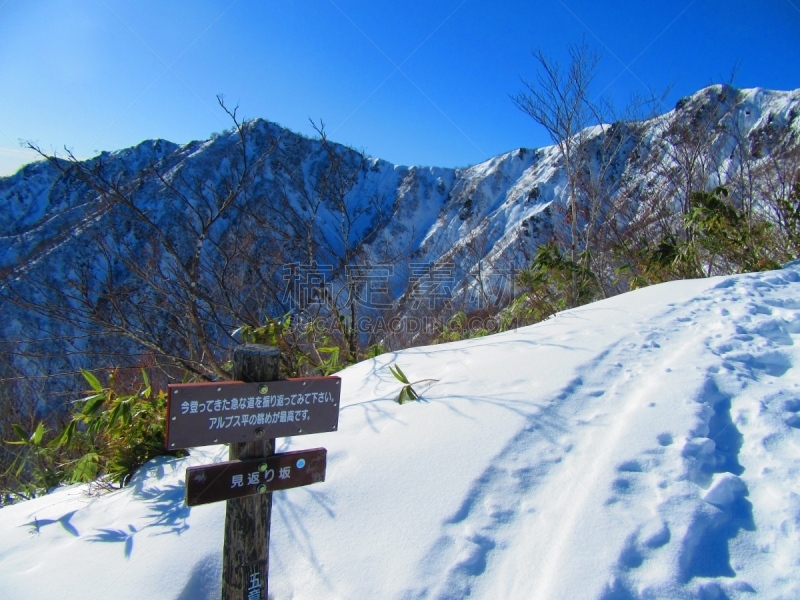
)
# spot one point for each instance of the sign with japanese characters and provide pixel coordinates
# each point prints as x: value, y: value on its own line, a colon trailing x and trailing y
x: 240, y: 478
x: 201, y: 414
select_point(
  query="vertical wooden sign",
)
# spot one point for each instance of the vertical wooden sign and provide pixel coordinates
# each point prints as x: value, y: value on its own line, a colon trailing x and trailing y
x: 245, y: 559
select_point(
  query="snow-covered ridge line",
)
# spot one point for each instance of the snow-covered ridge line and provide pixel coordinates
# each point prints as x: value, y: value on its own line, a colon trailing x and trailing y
x: 491, y: 198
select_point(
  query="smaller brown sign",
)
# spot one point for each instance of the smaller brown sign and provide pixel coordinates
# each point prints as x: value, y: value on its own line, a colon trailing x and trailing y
x: 240, y: 478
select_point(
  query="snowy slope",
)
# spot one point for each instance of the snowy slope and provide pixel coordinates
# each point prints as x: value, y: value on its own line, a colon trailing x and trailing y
x: 646, y: 446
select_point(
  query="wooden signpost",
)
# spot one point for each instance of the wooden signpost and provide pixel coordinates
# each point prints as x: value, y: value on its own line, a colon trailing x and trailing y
x: 249, y: 414
x: 240, y: 478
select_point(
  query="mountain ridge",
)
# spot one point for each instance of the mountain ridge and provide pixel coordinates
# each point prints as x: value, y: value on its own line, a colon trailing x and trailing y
x: 80, y: 231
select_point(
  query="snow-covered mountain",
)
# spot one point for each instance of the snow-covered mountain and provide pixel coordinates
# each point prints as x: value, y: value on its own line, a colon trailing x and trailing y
x: 62, y: 237
x: 436, y: 209
x: 642, y: 447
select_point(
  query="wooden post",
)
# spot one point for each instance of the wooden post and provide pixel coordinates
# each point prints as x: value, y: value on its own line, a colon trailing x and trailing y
x: 245, y: 558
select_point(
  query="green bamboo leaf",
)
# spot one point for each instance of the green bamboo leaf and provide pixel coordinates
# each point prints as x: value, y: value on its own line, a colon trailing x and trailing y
x: 20, y: 468
x: 65, y: 437
x: 37, y: 435
x: 126, y: 412
x: 115, y: 414
x: 87, y: 468
x: 146, y: 380
x: 21, y: 433
x: 93, y: 381
x: 401, y: 399
x: 398, y: 374
x: 95, y: 425
x: 93, y: 403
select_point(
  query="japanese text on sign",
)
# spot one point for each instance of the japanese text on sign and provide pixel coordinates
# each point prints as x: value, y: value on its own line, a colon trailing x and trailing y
x: 227, y: 412
x: 237, y: 479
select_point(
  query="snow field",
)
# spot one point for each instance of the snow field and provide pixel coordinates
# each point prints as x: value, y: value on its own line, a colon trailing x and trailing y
x: 646, y: 446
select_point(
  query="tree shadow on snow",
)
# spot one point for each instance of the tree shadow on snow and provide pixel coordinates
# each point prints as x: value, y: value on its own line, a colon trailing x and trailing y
x: 117, y: 536
x: 63, y: 520
x: 168, y: 514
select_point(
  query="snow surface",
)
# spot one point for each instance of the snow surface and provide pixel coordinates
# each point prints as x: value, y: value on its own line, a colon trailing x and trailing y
x: 646, y: 446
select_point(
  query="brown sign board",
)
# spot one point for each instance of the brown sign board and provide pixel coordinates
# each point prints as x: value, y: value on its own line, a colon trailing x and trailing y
x: 202, y: 414
x: 240, y: 478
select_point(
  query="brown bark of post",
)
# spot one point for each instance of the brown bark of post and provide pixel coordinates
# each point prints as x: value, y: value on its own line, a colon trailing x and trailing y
x: 245, y: 558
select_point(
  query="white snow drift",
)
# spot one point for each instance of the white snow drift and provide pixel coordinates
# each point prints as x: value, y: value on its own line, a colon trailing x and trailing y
x: 646, y: 446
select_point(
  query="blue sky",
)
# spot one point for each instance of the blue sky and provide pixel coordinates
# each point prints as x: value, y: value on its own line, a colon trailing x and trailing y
x: 413, y: 82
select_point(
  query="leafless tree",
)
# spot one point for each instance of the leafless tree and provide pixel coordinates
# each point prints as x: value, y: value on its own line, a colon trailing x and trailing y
x: 777, y: 189
x: 595, y: 144
x: 559, y: 100
x: 165, y: 275
x: 689, y: 157
x: 178, y: 256
x: 330, y: 232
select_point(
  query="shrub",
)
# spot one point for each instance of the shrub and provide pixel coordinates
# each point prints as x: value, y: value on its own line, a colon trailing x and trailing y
x: 113, y: 431
x: 547, y: 286
x: 724, y: 239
